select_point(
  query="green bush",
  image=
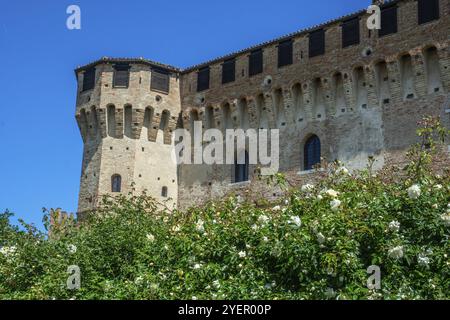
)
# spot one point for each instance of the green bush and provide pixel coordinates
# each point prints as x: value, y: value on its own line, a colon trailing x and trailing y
x: 316, y: 243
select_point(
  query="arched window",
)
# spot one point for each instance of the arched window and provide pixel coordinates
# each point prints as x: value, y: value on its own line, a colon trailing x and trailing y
x: 164, y: 192
x: 116, y: 183
x: 311, y: 152
x: 241, y: 168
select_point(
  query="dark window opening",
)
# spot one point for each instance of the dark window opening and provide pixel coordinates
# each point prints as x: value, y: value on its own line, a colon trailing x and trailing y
x: 116, y: 183
x: 164, y: 192
x: 317, y: 43
x: 285, y: 52
x: 203, y: 79
x: 388, y: 21
x: 121, y: 77
x: 160, y: 80
x: 255, y: 62
x: 350, y: 32
x: 428, y: 10
x: 229, y: 70
x: 311, y: 153
x: 241, y: 169
x: 164, y: 122
x: 89, y: 79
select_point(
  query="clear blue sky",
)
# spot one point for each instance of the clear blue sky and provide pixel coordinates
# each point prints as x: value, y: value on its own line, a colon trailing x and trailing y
x: 40, y: 146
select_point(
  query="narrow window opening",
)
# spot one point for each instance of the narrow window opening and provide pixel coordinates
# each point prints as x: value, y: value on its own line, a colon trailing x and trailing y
x: 121, y: 76
x: 203, y: 79
x: 116, y: 183
x: 312, y: 152
x: 255, y: 62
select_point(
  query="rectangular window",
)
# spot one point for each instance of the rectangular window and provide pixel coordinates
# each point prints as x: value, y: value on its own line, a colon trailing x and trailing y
x: 428, y: 10
x: 255, y: 62
x: 89, y: 79
x: 350, y: 32
x: 229, y: 70
x: 203, y: 79
x: 160, y: 80
x: 121, y: 75
x: 285, y: 53
x: 317, y: 43
x: 388, y: 21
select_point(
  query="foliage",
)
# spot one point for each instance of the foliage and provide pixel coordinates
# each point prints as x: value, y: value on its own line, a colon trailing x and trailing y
x: 316, y: 243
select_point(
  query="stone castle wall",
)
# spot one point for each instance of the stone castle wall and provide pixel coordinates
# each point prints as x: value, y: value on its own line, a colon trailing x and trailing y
x: 363, y: 100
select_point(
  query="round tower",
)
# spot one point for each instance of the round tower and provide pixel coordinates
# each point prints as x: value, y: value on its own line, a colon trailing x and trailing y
x: 127, y: 110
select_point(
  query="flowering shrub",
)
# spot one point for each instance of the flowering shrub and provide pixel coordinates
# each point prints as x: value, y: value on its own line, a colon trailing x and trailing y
x: 317, y: 243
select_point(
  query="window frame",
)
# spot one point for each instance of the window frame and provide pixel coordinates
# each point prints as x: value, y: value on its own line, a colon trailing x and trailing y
x: 165, y: 192
x: 155, y: 73
x: 91, y: 83
x: 242, y: 169
x: 348, y: 41
x: 317, y: 44
x: 285, y: 53
x: 229, y: 75
x: 114, y: 182
x: 203, y: 84
x: 306, y: 152
x: 254, y: 69
x: 420, y: 19
x: 384, y: 11
x: 121, y: 68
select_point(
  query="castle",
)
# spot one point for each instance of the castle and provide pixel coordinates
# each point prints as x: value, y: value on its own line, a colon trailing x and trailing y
x: 335, y: 91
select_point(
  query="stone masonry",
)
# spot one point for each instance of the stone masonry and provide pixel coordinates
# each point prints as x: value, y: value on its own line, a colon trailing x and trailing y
x: 362, y: 100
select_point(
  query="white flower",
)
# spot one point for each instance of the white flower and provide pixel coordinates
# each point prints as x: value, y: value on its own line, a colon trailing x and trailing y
x: 438, y: 187
x: 332, y: 193
x: 216, y: 284
x: 335, y: 204
x: 396, y: 253
x: 295, y: 220
x: 414, y: 192
x: 423, y: 260
x: 138, y: 281
x: 8, y: 251
x: 263, y: 219
x: 319, y: 197
x: 197, y: 266
x: 255, y: 227
x: 394, y: 226
x: 286, y: 202
x: 307, y: 188
x: 446, y: 218
x: 320, y: 238
x: 176, y: 229
x: 435, y: 206
x: 242, y: 254
x: 265, y: 239
x: 199, y: 226
x: 342, y: 170
x: 150, y: 237
x: 276, y: 208
x: 194, y: 298
x: 72, y: 248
